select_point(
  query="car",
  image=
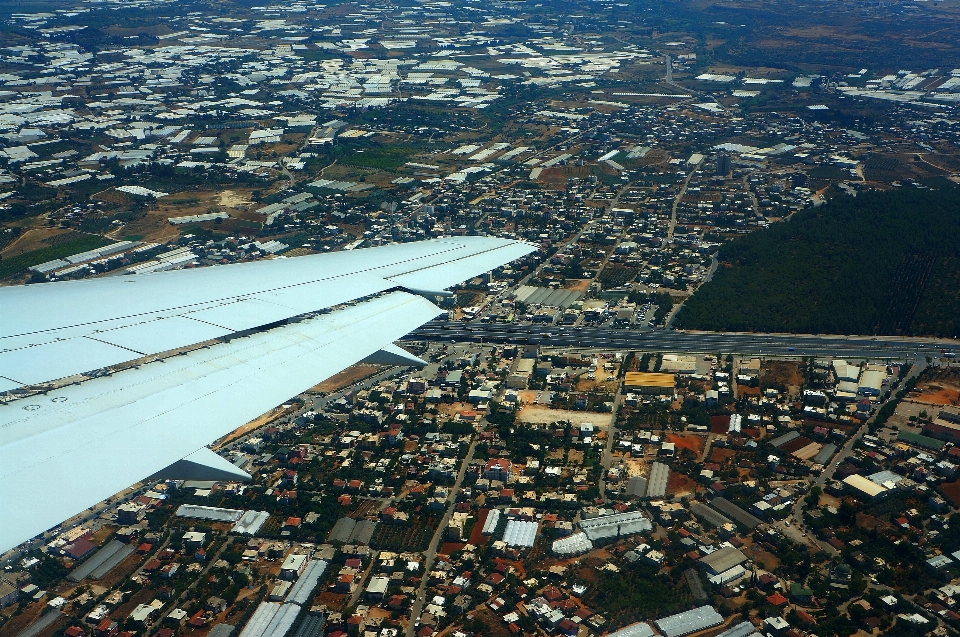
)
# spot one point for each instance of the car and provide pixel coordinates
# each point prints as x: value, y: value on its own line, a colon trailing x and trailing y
x: 787, y: 523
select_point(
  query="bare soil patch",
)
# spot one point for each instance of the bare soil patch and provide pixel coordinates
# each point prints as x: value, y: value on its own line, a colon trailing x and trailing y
x: 346, y: 378
x: 679, y: 485
x: 683, y: 441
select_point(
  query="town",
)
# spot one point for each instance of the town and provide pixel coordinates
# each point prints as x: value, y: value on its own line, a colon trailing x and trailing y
x: 547, y: 481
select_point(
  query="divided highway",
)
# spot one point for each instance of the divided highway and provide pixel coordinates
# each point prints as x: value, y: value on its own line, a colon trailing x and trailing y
x: 880, y: 347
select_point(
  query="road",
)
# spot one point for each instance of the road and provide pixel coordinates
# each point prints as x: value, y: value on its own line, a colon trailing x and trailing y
x: 431, y: 553
x: 608, y: 448
x: 857, y: 347
x: 678, y: 198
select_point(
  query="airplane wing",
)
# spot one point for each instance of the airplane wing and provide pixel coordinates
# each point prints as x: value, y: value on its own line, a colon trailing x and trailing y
x: 270, y: 329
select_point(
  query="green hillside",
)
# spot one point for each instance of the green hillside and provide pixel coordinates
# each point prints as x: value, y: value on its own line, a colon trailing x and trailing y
x: 880, y: 263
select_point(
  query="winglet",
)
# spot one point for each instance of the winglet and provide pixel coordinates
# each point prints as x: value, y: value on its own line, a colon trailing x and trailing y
x: 202, y: 465
x: 394, y: 355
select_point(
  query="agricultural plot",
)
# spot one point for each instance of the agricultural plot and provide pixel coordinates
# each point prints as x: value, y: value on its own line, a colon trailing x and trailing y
x: 614, y: 276
x: 414, y: 536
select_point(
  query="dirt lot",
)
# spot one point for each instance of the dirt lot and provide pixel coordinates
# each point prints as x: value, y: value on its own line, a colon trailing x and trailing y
x: 720, y: 456
x: 543, y: 415
x: 345, y: 378
x: 679, y: 485
x: 870, y: 522
x: 580, y: 285
x: 684, y: 441
x: 942, y: 388
x: 24, y: 619
x: 765, y: 558
x: 250, y: 426
x: 786, y: 373
x: 951, y: 490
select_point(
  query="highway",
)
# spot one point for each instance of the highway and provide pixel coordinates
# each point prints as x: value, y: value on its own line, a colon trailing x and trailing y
x: 666, y: 340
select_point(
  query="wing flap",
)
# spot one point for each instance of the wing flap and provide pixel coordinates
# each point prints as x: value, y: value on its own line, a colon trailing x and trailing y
x: 160, y: 335
x: 73, y: 447
x: 32, y: 365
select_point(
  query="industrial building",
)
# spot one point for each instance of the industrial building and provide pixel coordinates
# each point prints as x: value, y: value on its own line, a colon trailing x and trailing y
x: 690, y: 621
x: 640, y: 629
x: 657, y: 482
x: 649, y: 383
x: 616, y: 525
x: 575, y: 544
x: 862, y: 487
x: 520, y: 533
x: 722, y: 560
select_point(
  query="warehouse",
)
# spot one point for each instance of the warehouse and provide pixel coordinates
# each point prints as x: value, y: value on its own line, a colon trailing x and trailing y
x: 640, y: 629
x: 657, y: 483
x: 520, y: 533
x: 490, y: 524
x: 743, y: 629
x: 616, y: 525
x: 725, y: 506
x: 649, y: 383
x: 302, y: 590
x: 688, y: 622
x: 871, y: 383
x: 722, y: 560
x: 250, y: 522
x: 213, y: 514
x: 862, y: 487
x: 575, y: 544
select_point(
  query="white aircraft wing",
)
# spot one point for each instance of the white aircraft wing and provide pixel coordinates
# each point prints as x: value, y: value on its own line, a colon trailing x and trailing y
x: 53, y: 331
x: 73, y: 446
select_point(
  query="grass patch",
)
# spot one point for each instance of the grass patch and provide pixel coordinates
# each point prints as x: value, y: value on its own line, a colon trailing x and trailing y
x: 19, y: 263
x: 380, y: 158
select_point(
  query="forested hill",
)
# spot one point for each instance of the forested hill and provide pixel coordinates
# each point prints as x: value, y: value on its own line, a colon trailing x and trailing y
x: 880, y: 263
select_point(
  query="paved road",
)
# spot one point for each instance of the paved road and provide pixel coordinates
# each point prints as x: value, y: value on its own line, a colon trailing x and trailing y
x: 856, y: 347
x: 431, y: 553
x: 679, y: 198
x: 608, y: 448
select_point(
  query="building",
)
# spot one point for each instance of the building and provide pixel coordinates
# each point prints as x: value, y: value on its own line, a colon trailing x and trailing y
x: 292, y: 566
x: 649, y: 383
x: 723, y: 165
x: 871, y: 383
x: 521, y: 374
x: 498, y: 469
x: 377, y: 587
x: 722, y: 560
x: 691, y: 621
x: 678, y: 364
x: 8, y: 594
x: 862, y: 487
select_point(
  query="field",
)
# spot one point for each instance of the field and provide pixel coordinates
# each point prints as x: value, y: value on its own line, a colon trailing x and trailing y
x: 15, y: 265
x: 347, y: 377
x: 614, y: 276
x: 413, y: 536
